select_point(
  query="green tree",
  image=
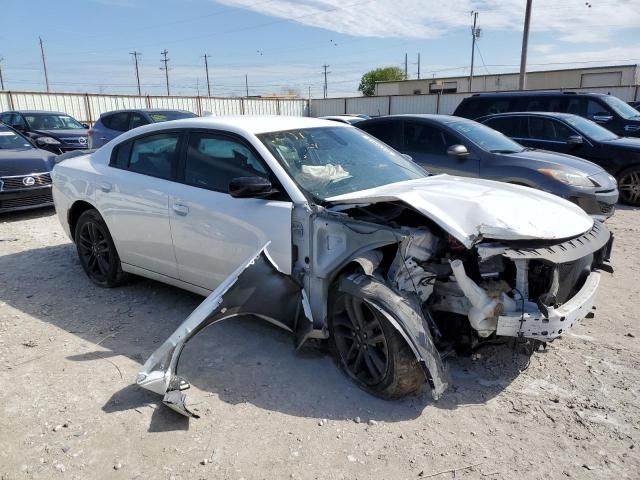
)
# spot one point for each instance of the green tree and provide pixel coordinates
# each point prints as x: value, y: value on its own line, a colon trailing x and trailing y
x: 368, y: 82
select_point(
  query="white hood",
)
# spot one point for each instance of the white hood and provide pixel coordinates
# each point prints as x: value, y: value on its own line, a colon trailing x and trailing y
x: 471, y: 208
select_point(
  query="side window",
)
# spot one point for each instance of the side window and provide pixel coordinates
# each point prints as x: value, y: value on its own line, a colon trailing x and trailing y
x: 213, y: 161
x: 547, y: 129
x: 536, y: 104
x: 120, y: 155
x: 596, y: 109
x: 384, y: 131
x: 137, y: 120
x: 117, y: 121
x: 423, y: 138
x: 155, y: 155
x: 16, y: 120
x: 575, y: 105
x: 510, y: 126
x: 499, y: 106
x: 5, y: 118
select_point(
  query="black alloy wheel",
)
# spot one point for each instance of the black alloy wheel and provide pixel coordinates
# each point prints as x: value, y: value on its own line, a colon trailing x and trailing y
x: 97, y: 251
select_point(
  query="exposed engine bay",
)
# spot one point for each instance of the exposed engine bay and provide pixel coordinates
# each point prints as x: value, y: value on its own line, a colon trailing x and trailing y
x: 431, y: 290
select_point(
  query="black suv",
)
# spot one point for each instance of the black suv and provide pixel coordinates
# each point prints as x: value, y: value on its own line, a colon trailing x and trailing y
x: 566, y: 133
x: 607, y: 110
x: 53, y: 131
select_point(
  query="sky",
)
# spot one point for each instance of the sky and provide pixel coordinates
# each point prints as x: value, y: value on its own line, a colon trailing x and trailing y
x: 282, y: 45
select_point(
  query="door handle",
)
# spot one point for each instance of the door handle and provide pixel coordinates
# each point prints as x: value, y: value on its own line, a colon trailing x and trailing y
x: 180, y: 209
x: 105, y: 187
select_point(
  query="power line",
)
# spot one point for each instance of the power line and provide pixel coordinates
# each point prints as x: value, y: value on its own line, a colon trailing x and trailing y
x: 44, y: 64
x: 165, y: 60
x: 135, y: 58
x: 206, y: 69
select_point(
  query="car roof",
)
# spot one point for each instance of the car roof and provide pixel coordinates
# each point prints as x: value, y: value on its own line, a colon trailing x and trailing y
x: 246, y: 124
x: 559, y: 115
x: 421, y: 116
x: 533, y: 94
x: 145, y: 110
x: 29, y: 112
x: 340, y: 117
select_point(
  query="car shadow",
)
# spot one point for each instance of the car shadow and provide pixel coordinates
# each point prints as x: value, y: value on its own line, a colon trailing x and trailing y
x: 238, y: 360
x: 21, y: 215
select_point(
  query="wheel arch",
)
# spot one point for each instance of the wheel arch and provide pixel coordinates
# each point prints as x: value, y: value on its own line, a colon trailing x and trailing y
x: 77, y: 209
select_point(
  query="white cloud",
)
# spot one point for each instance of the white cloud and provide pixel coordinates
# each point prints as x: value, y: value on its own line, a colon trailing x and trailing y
x: 572, y: 20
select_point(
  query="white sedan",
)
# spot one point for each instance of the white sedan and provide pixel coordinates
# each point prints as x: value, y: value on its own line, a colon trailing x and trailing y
x: 325, y: 231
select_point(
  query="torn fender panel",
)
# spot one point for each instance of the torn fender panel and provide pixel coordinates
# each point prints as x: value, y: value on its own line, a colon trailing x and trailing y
x: 256, y: 288
x: 407, y: 318
x: 472, y: 208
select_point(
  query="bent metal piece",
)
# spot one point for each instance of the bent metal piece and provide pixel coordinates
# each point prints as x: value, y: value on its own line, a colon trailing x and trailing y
x: 257, y: 287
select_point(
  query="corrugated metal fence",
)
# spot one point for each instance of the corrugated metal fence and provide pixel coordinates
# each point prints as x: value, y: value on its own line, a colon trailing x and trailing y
x: 434, y: 103
x: 87, y: 107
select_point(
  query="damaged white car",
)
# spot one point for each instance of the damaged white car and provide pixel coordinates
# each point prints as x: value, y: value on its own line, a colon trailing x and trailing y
x: 328, y: 233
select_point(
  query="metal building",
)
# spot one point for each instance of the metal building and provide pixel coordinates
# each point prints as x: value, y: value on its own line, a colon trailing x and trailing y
x: 610, y: 76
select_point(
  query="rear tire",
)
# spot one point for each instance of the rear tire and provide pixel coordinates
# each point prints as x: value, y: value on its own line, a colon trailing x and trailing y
x: 367, y: 346
x: 629, y: 186
x: 97, y: 252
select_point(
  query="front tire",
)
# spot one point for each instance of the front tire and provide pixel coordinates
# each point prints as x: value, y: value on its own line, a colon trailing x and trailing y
x: 629, y: 186
x: 367, y: 346
x: 97, y: 252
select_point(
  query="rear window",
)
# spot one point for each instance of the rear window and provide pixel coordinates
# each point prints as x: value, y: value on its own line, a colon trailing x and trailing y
x: 475, y: 107
x: 169, y: 115
x: 116, y: 121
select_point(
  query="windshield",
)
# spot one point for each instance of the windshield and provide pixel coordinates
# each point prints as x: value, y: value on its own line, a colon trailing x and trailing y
x: 331, y: 161
x: 591, y: 129
x: 486, y: 138
x: 52, y: 121
x: 170, y: 115
x: 10, y: 140
x: 623, y: 109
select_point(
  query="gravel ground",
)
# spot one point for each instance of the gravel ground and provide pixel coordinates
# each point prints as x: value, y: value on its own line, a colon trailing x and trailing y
x: 69, y: 353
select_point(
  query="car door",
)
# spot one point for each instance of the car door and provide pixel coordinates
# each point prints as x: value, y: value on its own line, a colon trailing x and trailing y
x: 213, y: 232
x: 132, y: 195
x: 428, y: 143
x: 549, y: 134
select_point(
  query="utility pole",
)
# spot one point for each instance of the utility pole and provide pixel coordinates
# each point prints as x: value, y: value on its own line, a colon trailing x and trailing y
x: 418, y: 66
x: 206, y: 69
x: 165, y: 60
x: 406, y: 76
x: 135, y: 59
x: 525, y: 45
x: 325, y: 89
x: 246, y: 84
x: 474, y: 35
x: 44, y: 64
x: 1, y: 78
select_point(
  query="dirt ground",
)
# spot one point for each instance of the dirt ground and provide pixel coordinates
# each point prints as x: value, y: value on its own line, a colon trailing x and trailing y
x: 69, y: 353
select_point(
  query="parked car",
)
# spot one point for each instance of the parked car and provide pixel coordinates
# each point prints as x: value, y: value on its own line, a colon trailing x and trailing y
x: 348, y: 119
x: 25, y: 181
x: 566, y: 133
x: 323, y: 230
x: 607, y: 110
x: 446, y: 144
x: 635, y: 105
x: 53, y: 131
x: 112, y: 124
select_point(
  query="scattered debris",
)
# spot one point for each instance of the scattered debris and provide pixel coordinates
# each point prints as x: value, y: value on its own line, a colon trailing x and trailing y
x: 117, y: 466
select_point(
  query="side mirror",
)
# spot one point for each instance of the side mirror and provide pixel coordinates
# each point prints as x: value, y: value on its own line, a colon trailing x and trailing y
x: 458, y: 151
x: 575, y: 140
x: 250, y: 187
x: 85, y: 125
x: 407, y: 157
x: 602, y: 117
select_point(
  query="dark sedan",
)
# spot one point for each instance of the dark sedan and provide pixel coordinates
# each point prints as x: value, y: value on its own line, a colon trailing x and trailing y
x: 25, y: 173
x: 566, y: 133
x: 454, y: 145
x: 53, y: 131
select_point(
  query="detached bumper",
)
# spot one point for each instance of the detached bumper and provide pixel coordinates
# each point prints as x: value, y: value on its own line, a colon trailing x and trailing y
x: 535, y: 324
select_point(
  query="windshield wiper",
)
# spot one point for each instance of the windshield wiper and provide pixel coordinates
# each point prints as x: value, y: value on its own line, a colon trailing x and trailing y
x: 504, y: 151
